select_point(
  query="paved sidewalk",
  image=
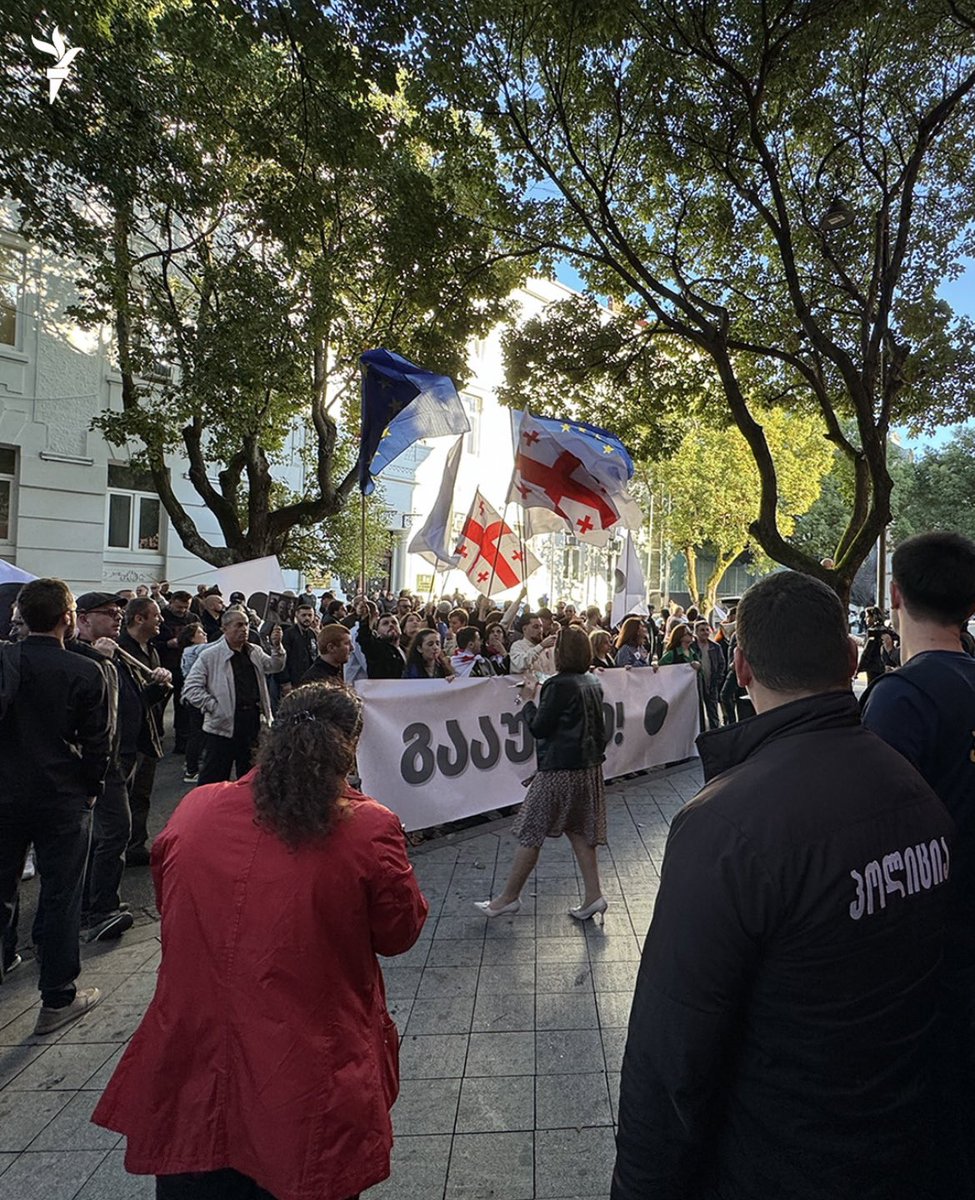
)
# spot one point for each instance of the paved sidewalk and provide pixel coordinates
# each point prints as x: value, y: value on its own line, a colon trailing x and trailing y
x: 512, y: 1029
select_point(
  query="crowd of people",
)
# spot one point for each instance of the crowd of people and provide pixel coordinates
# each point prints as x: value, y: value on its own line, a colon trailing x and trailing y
x: 804, y: 1015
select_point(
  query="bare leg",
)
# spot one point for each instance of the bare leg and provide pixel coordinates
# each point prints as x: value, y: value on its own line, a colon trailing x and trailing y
x: 586, y: 858
x: 521, y: 868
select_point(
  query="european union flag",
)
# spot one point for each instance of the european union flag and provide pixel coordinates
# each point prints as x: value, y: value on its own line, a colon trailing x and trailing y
x: 402, y: 403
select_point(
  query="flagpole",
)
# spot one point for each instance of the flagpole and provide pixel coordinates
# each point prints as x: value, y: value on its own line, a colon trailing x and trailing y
x: 362, y: 543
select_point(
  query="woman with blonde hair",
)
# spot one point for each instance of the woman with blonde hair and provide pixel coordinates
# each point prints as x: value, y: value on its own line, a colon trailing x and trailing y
x: 566, y: 793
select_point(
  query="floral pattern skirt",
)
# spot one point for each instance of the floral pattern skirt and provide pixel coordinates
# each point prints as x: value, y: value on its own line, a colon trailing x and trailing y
x: 563, y: 802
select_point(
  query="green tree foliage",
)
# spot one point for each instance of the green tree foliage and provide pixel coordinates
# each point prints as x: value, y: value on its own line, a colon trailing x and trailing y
x: 251, y: 202
x: 780, y: 187
x: 713, y: 490
x: 937, y: 490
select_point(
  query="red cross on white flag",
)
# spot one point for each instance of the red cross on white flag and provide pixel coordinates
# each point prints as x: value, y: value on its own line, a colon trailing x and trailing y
x: 491, y: 555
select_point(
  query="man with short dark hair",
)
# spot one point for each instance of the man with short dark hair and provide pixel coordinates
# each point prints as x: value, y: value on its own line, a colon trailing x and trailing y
x: 142, y: 622
x: 926, y: 710
x: 54, y: 751
x: 175, y: 616
x: 383, y: 654
x: 211, y: 608
x: 301, y: 645
x: 780, y: 1033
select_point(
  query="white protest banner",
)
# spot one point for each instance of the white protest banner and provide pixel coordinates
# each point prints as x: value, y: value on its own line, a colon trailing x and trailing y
x: 255, y: 575
x: 434, y: 751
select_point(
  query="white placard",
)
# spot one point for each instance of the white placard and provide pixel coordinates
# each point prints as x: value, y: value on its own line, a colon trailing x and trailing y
x: 434, y: 751
x: 255, y: 575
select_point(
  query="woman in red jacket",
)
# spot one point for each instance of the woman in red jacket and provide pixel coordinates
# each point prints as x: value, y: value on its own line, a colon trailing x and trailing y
x: 266, y: 1064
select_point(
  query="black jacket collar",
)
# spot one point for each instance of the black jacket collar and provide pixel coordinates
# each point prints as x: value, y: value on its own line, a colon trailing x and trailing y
x: 726, y: 747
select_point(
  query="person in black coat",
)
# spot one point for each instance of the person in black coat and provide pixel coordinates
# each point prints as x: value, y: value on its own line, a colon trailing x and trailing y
x: 384, y: 658
x: 301, y: 646
x: 566, y: 793
x: 780, y: 1038
x: 55, y: 748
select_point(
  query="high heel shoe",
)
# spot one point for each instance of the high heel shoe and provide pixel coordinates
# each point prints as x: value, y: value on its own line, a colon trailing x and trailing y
x: 594, y: 910
x: 484, y: 906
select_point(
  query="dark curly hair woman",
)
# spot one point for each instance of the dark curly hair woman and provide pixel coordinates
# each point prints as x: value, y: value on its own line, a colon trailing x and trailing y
x: 266, y: 1064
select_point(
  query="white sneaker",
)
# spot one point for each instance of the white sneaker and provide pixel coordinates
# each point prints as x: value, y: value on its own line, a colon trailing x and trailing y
x: 30, y: 867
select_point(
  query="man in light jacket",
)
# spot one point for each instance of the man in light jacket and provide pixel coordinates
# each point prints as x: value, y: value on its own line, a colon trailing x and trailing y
x: 228, y: 683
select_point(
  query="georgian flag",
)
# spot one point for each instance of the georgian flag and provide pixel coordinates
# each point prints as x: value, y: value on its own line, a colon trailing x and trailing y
x: 490, y: 553
x: 576, y: 472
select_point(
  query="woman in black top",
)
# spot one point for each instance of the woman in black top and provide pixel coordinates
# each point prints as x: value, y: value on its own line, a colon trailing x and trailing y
x: 425, y: 658
x: 566, y: 793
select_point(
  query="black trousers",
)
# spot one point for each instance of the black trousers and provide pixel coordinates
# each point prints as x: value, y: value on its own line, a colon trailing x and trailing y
x: 61, y: 833
x: 111, y: 829
x: 211, y: 1185
x: 140, y: 793
x: 193, y: 721
x: 222, y: 754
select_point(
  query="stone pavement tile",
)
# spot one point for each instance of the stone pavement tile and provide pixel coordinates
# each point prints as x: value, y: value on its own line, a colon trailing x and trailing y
x: 109, y: 1022
x: 554, y: 903
x: 564, y: 976
x: 403, y: 984
x: 14, y: 1060
x: 437, y: 1056
x: 497, y: 1105
x: 558, y: 925
x: 519, y: 925
x: 450, y: 1015
x: 465, y: 927
x: 138, y: 988
x: 6, y: 1160
x: 500, y: 1012
x: 418, y: 1169
x: 72, y: 1129
x: 501, y: 1054
x: 24, y: 1114
x: 491, y: 1166
x: 613, y: 1080
x: 112, y: 1182
x: 62, y: 1068
x: 573, y: 1163
x: 120, y: 958
x: 399, y: 1010
x: 614, y: 1009
x: 49, y: 1176
x: 614, y: 1043
x: 571, y: 1101
x: 561, y: 950
x: 565, y: 1010
x: 437, y: 983
x: 503, y: 978
x: 614, y: 976
x: 507, y: 952
x: 426, y: 1106
x: 615, y: 946
x: 568, y: 1052
x: 456, y: 952
x: 99, y: 1081
x: 415, y: 957
x: 20, y: 1031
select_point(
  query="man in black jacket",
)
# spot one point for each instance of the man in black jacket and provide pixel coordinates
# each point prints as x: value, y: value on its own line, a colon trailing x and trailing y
x: 55, y: 740
x: 143, y: 621
x: 301, y: 646
x: 779, y: 1038
x: 384, y: 658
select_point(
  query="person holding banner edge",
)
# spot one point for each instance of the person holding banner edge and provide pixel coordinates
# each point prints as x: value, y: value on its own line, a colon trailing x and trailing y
x: 566, y: 794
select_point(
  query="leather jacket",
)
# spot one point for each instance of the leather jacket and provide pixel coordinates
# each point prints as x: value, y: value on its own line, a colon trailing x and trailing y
x: 567, y: 723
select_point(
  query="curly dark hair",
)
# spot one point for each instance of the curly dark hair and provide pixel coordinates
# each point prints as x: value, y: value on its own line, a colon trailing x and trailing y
x: 304, y: 759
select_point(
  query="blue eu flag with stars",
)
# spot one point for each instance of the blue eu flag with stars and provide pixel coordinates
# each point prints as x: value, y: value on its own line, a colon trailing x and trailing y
x: 402, y: 403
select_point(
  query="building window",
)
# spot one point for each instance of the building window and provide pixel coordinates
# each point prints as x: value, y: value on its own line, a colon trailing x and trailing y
x: 12, y: 266
x: 8, y: 472
x: 134, y: 510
